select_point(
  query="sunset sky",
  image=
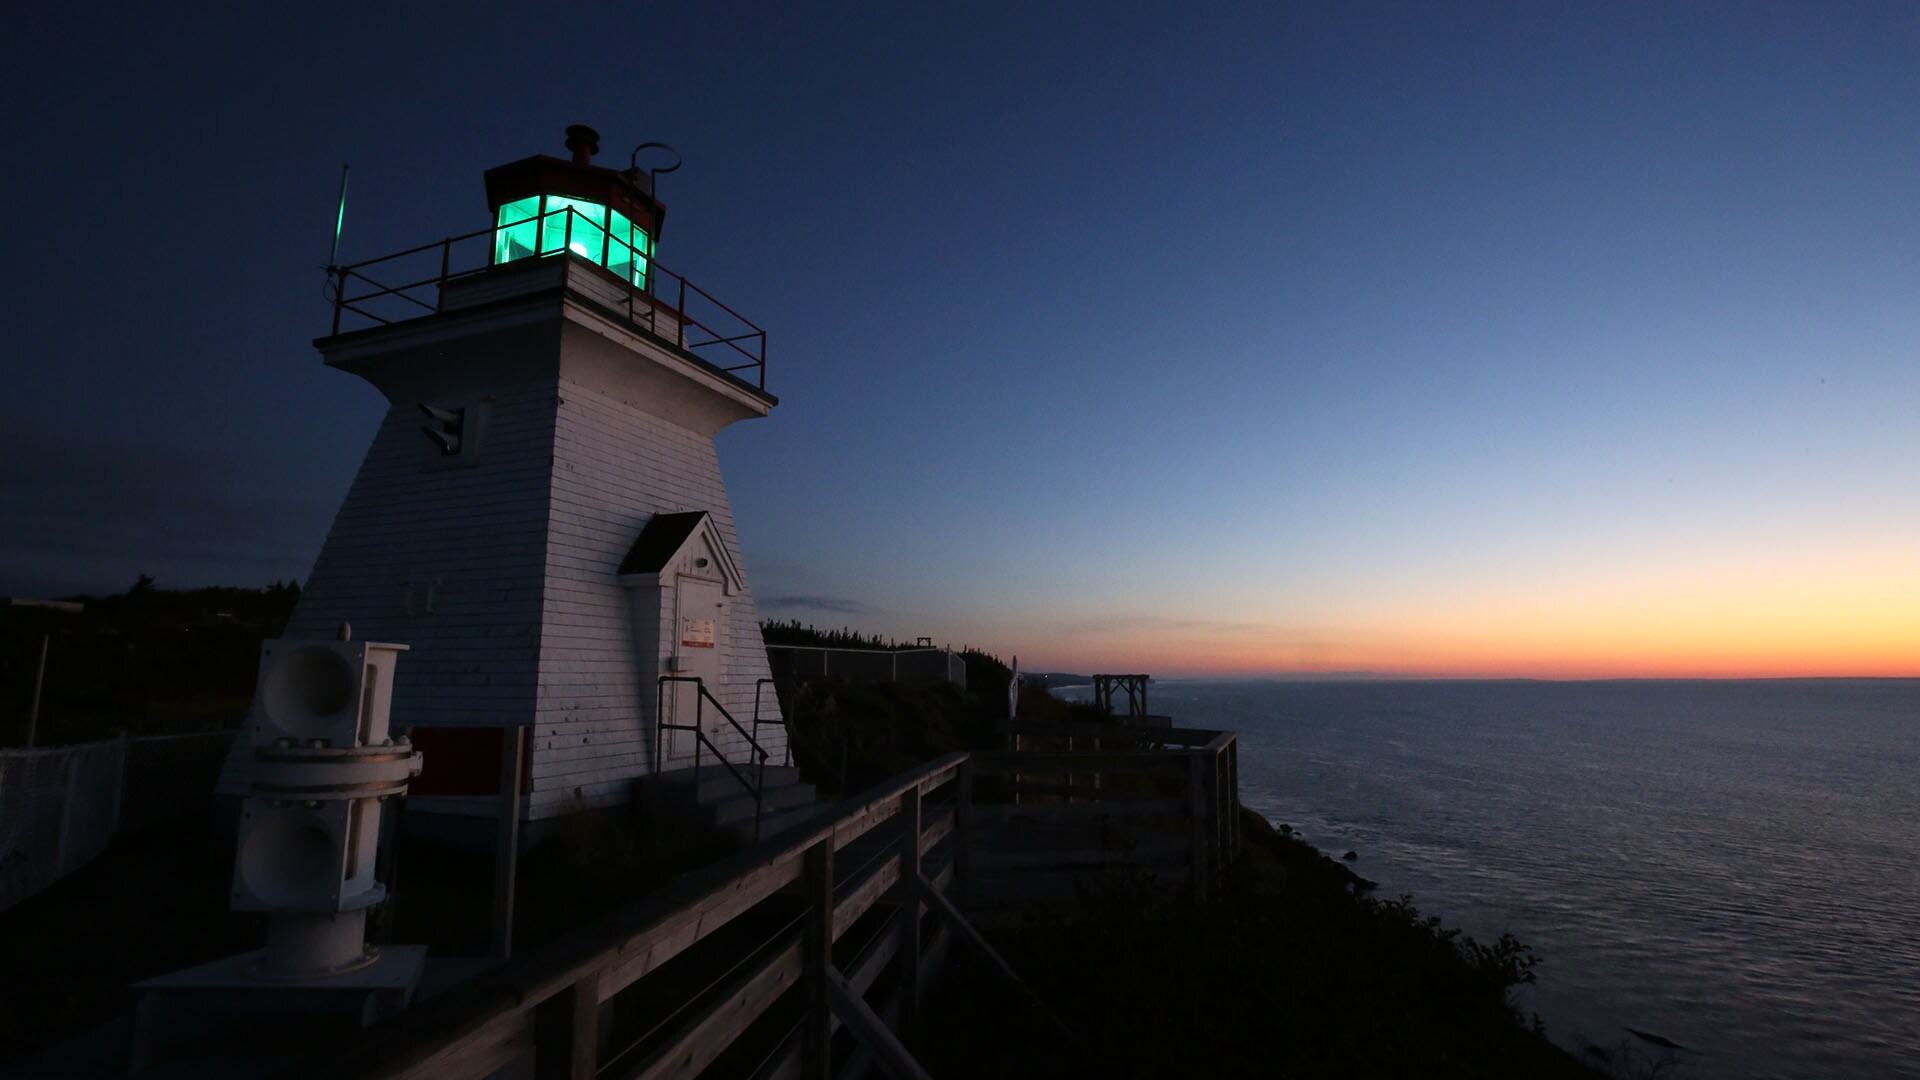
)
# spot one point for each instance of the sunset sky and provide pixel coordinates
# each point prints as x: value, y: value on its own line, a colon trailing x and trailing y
x: 1536, y: 339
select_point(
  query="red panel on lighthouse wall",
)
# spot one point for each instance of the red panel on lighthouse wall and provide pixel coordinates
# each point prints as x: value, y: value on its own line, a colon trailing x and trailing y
x: 463, y: 761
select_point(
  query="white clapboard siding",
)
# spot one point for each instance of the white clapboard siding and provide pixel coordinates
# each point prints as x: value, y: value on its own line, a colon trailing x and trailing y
x: 447, y: 559
x: 614, y: 467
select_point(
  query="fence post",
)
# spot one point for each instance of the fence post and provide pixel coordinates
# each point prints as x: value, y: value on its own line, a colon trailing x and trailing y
x: 816, y: 957
x: 907, y: 921
x: 69, y: 814
x: 963, y: 833
x: 120, y: 783
x: 566, y: 1032
x: 1233, y: 794
x: 1197, y: 811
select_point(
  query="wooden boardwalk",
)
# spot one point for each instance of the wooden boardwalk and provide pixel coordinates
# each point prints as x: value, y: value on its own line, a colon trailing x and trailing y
x: 810, y: 955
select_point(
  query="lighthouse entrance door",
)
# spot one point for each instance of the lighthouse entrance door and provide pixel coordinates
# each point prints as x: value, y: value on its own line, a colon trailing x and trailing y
x: 699, y: 627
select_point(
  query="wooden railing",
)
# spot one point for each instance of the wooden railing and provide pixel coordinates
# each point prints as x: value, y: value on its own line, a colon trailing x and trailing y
x: 1141, y: 816
x: 756, y: 961
x: 773, y: 918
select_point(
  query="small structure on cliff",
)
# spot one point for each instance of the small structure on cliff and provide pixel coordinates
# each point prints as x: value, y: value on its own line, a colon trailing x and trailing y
x: 1134, y: 690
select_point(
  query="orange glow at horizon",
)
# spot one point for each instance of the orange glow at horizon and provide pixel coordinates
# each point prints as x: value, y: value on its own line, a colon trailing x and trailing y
x: 1748, y: 622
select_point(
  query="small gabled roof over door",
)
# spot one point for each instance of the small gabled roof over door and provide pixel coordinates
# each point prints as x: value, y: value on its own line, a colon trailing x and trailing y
x: 687, y: 542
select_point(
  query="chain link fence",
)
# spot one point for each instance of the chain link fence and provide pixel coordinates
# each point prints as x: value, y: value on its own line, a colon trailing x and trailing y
x: 62, y: 805
x: 920, y: 667
x: 59, y: 807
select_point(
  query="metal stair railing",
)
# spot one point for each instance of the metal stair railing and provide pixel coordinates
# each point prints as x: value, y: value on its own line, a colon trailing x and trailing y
x: 757, y: 754
x: 793, y: 735
x: 787, y: 743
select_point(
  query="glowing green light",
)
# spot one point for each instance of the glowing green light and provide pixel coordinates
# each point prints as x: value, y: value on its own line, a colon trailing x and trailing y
x: 575, y: 225
x: 517, y: 230
x: 550, y: 224
x: 628, y: 247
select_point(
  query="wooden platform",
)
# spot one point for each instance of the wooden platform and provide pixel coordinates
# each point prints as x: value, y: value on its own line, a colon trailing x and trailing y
x: 810, y: 954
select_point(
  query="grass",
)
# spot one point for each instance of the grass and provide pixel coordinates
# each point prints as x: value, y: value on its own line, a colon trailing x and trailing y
x: 1293, y: 972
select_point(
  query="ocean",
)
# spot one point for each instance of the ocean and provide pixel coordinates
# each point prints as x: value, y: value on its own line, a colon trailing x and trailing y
x: 1733, y: 866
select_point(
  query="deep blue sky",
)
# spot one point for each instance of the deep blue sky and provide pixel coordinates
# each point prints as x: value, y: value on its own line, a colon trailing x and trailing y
x: 1185, y: 337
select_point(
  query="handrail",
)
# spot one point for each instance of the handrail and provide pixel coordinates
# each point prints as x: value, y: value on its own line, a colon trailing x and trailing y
x: 500, y: 1016
x: 708, y: 695
x: 1206, y: 761
x: 759, y: 685
x: 735, y: 333
x: 817, y: 749
x: 1167, y: 736
x: 544, y: 1009
x: 755, y: 750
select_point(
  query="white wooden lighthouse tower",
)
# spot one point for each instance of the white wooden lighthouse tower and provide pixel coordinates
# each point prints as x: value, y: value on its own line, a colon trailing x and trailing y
x: 541, y: 516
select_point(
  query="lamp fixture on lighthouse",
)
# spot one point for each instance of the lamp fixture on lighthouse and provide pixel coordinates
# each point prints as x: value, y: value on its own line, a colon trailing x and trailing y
x: 543, y: 206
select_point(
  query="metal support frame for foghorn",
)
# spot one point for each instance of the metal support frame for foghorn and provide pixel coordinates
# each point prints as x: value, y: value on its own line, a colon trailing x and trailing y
x: 323, y: 763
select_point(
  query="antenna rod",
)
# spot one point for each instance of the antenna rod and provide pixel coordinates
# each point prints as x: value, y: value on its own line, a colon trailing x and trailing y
x: 339, y: 221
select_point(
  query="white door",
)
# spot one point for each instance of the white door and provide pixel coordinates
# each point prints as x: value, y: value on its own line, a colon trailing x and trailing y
x: 699, y: 644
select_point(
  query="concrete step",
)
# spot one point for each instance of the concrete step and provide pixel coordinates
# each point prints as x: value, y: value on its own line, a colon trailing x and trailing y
x: 711, y: 782
x: 713, y: 798
x: 774, y: 822
x: 739, y: 807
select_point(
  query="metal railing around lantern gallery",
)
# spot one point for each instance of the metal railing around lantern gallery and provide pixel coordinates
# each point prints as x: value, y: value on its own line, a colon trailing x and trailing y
x: 413, y: 283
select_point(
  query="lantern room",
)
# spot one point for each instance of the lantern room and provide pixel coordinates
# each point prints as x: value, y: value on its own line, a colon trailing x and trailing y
x: 543, y: 206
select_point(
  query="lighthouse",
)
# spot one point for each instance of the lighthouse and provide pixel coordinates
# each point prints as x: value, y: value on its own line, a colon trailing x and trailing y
x: 541, y: 517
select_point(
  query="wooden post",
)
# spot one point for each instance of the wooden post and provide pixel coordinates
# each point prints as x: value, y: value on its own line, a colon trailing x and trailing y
x: 566, y: 1032
x: 506, y: 848
x: 1233, y: 795
x: 816, y: 959
x: 983, y: 950
x: 1072, y: 777
x: 1216, y: 836
x: 1197, y: 811
x: 120, y: 783
x: 907, y: 921
x: 963, y: 831
x: 871, y: 1031
x: 1097, y: 774
x: 140, y: 1028
x: 63, y: 856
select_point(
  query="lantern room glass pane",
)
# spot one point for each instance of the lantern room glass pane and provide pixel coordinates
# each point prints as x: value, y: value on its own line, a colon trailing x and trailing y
x: 516, y: 230
x: 576, y: 224
x: 627, y: 249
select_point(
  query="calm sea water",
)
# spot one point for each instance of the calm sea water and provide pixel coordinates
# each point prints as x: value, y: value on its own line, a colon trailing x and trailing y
x: 1732, y: 865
